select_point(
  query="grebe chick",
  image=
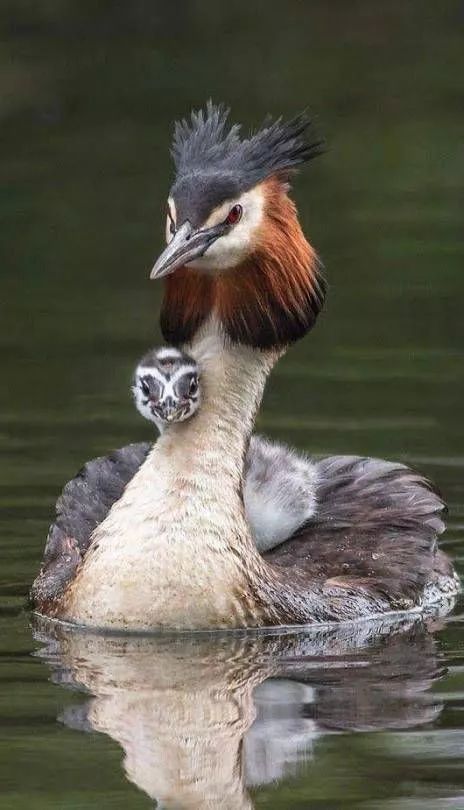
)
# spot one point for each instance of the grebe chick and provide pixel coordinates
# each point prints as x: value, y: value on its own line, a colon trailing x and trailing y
x: 165, y: 387
x: 279, y: 484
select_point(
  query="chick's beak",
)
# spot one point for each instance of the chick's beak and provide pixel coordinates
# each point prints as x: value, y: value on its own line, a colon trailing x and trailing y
x: 168, y: 409
x: 186, y: 245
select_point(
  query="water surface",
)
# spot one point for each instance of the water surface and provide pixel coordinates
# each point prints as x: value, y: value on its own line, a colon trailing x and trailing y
x: 87, y: 96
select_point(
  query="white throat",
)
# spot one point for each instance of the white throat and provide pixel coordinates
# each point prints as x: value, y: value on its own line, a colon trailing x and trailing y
x: 175, y: 550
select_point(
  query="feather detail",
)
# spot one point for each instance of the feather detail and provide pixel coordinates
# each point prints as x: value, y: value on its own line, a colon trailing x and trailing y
x: 188, y: 301
x: 207, y: 143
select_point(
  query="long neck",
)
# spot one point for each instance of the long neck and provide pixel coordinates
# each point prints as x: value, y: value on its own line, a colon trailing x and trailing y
x: 216, y: 439
x: 176, y: 549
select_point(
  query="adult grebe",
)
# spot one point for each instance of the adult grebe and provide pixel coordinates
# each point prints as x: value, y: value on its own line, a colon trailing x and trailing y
x: 175, y: 550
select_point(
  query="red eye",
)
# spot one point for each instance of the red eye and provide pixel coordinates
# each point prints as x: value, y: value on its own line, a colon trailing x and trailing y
x: 234, y: 215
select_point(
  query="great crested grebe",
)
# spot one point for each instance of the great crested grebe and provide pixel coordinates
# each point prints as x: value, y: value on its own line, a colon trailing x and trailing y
x: 279, y: 485
x: 175, y: 549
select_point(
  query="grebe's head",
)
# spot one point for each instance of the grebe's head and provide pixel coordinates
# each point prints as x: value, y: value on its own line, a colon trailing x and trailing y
x: 235, y: 248
x: 166, y: 386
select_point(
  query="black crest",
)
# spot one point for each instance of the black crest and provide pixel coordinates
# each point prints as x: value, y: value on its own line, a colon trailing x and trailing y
x: 207, y: 143
x: 213, y: 163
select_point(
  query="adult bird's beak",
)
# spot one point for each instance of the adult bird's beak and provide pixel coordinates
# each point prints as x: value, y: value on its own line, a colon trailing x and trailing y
x: 186, y: 245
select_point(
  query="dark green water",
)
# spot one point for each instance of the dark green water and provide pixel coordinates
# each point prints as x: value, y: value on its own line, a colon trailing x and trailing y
x: 88, y: 92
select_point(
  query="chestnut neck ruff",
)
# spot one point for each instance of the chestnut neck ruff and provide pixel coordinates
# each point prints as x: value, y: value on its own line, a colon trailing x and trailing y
x: 269, y: 301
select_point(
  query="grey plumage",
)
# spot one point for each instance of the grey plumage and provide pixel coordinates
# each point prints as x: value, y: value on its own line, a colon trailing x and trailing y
x: 206, y: 142
x: 373, y: 535
x: 367, y: 492
x: 82, y: 506
x: 279, y: 491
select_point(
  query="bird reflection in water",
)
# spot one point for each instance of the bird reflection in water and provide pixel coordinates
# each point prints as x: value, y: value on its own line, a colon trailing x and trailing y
x: 201, y: 718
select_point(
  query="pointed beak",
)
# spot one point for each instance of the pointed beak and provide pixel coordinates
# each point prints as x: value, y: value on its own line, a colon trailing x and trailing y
x: 168, y: 409
x: 186, y: 245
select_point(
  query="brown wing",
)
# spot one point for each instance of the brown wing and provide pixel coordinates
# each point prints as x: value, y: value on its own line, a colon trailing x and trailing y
x: 81, y: 507
x: 375, y: 531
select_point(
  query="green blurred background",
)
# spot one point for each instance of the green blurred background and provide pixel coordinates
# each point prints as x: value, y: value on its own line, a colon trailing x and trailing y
x: 88, y: 94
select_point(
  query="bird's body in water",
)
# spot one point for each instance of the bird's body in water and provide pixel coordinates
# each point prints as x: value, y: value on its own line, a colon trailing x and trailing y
x: 279, y: 485
x: 158, y: 538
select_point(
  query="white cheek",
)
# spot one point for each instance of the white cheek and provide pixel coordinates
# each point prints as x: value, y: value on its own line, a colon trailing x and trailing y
x: 231, y: 249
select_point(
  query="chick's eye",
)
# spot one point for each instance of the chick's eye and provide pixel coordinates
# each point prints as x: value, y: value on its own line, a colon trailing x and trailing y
x: 193, y: 387
x: 145, y: 387
x: 234, y: 215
